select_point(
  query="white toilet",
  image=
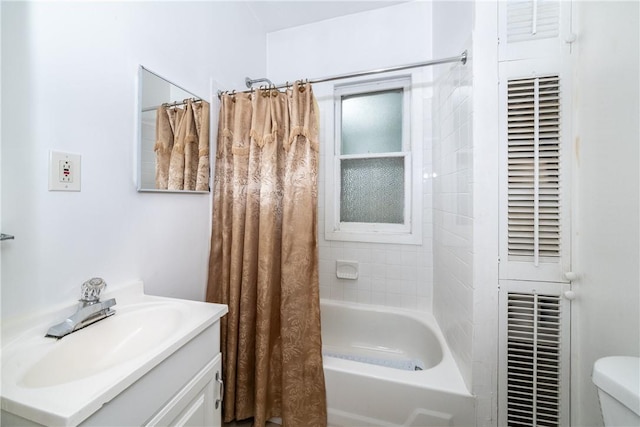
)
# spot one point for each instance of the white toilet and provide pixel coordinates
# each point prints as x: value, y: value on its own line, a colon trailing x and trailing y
x: 618, y: 382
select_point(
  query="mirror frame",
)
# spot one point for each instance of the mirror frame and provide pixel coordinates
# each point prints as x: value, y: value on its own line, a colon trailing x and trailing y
x: 139, y: 112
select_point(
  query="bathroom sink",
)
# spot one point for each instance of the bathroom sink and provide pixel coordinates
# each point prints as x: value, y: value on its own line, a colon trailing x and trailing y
x: 63, y: 381
x: 128, y: 334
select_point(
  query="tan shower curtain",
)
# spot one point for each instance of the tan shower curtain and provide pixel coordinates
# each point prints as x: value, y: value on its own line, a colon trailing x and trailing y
x: 182, y: 147
x: 264, y: 261
x: 164, y: 144
x: 201, y: 117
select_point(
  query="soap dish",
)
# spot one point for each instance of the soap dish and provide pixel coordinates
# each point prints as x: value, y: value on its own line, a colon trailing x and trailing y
x: 347, y: 270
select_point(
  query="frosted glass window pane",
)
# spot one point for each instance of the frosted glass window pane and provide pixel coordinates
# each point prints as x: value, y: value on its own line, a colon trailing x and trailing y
x: 372, y: 190
x: 372, y: 122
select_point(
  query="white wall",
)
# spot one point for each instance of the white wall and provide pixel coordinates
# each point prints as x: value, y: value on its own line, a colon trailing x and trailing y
x: 466, y: 195
x: 453, y: 284
x: 606, y: 312
x: 452, y: 26
x: 379, y: 38
x: 485, y: 209
x: 452, y: 184
x: 393, y: 275
x: 69, y: 74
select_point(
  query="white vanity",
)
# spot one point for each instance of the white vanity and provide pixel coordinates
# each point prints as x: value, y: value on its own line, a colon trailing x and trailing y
x: 156, y: 362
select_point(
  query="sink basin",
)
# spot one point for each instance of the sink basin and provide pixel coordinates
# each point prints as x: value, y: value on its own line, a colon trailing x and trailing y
x: 64, y: 381
x: 129, y: 333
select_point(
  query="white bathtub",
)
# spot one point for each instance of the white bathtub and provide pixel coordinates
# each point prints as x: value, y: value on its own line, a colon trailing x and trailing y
x: 367, y: 394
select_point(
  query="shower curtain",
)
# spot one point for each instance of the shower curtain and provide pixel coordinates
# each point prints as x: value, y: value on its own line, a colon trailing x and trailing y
x: 264, y: 260
x: 182, y: 147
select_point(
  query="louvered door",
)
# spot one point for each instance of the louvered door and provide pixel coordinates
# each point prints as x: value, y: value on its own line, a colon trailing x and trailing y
x: 533, y: 125
x: 535, y: 173
x: 535, y: 248
x: 534, y: 374
x: 533, y: 28
x: 535, y: 153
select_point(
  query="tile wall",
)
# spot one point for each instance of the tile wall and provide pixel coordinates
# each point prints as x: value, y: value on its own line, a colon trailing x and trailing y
x: 453, y: 290
x: 390, y: 275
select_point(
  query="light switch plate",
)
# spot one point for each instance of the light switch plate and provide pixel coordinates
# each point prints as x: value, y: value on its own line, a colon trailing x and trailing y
x: 64, y: 171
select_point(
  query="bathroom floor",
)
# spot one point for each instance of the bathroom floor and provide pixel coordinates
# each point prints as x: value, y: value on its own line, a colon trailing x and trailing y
x: 246, y: 423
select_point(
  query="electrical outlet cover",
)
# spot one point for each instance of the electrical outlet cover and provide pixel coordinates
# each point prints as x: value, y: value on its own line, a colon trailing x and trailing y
x: 64, y: 171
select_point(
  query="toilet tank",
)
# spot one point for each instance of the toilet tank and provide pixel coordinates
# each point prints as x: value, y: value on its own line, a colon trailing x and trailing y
x: 618, y: 382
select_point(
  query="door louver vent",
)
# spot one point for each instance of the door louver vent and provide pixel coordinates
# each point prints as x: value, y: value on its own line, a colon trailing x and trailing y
x: 532, y: 20
x: 533, y: 360
x: 533, y: 133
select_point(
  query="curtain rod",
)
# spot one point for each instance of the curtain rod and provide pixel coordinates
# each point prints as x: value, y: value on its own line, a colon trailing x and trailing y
x: 460, y: 58
x: 171, y: 104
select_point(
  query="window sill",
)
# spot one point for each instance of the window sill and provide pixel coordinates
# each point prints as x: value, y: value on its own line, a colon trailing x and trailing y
x: 414, y: 238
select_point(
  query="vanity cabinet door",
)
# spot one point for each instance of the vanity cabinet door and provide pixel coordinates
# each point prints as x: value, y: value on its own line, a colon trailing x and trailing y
x: 198, y: 403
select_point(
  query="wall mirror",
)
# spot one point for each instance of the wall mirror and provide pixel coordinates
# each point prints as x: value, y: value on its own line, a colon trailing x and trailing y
x: 173, y: 137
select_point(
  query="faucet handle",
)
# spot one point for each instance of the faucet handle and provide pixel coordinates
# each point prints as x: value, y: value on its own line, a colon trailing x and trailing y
x: 90, y: 290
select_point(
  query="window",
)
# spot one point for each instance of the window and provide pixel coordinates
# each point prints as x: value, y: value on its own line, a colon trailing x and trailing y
x: 372, y: 173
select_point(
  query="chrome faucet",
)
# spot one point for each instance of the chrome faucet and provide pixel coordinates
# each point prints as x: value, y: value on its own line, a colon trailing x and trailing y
x: 90, y: 309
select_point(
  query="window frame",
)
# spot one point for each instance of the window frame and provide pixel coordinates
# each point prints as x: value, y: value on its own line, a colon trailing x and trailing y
x: 410, y: 232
